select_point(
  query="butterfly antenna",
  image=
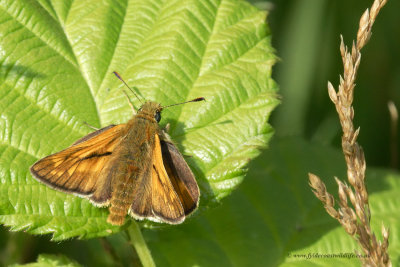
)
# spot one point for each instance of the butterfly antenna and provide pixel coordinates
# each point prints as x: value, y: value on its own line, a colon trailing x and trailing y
x: 193, y: 100
x: 122, y: 80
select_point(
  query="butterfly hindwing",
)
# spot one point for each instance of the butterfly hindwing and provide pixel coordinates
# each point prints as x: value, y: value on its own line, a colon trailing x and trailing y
x: 77, y: 169
x: 181, y: 176
x: 141, y: 207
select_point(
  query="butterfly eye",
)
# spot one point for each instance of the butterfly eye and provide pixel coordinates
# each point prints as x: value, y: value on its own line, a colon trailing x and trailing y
x: 157, y: 116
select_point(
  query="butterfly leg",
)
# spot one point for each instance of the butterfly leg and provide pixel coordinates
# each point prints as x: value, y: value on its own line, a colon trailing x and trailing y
x: 130, y: 103
x: 90, y: 126
x: 167, y: 127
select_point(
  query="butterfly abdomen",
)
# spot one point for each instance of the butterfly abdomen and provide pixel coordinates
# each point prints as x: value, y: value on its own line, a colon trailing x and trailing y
x: 121, y: 199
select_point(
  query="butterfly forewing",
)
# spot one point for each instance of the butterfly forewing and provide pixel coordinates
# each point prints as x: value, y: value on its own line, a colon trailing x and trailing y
x: 165, y: 201
x: 77, y: 169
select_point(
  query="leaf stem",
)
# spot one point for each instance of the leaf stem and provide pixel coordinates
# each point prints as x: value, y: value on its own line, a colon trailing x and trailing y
x: 138, y: 243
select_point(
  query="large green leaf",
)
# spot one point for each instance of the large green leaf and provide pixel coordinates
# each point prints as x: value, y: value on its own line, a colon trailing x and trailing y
x: 275, y: 219
x: 57, y: 59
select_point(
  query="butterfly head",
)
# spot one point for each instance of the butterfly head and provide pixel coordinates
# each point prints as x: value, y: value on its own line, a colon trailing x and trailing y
x: 152, y: 109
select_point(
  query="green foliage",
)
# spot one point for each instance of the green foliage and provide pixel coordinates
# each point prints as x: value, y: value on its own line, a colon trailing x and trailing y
x: 57, y: 63
x: 273, y: 217
x: 45, y: 260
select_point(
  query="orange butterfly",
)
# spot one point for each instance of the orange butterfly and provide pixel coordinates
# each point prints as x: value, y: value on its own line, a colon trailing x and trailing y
x: 134, y: 168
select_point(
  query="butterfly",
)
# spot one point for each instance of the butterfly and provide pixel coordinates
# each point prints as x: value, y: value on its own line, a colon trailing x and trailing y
x: 132, y: 168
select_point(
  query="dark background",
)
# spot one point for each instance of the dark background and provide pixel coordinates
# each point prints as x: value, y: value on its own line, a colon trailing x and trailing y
x: 306, y: 35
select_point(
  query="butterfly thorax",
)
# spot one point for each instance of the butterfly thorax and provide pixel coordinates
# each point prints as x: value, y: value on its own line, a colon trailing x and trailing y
x: 141, y: 130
